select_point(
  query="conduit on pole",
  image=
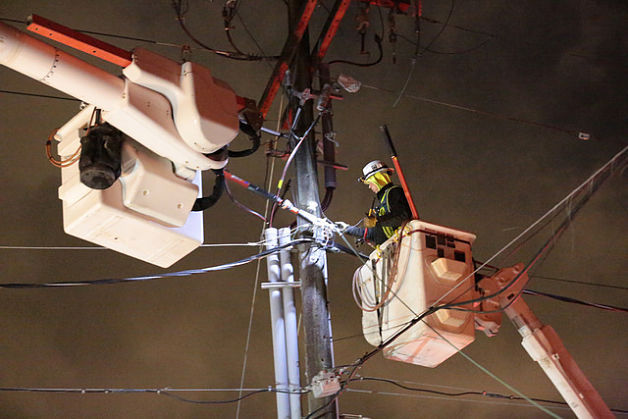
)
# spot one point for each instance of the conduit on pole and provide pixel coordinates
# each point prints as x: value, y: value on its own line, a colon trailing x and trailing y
x: 278, y: 328
x: 290, y: 316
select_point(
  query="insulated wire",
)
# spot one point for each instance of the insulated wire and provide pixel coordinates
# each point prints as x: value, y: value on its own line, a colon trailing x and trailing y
x: 166, y: 391
x: 424, y: 18
x: 460, y: 400
x: 234, y: 55
x: 459, y: 52
x: 575, y: 301
x: 586, y: 184
x: 240, y: 205
x: 493, y: 376
x: 184, y: 273
x: 13, y: 92
x: 480, y: 112
x: 573, y: 281
x: 466, y: 392
x: 247, y: 244
x: 413, y: 97
x: 591, y: 184
x: 268, y: 181
x: 416, y: 53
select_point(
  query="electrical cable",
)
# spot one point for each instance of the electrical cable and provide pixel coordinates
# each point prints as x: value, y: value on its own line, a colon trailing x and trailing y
x: 398, y: 383
x: 242, y: 206
x: 268, y: 176
x: 459, y: 52
x: 255, y: 140
x: 13, y: 92
x: 418, y: 395
x: 180, y: 12
x: 110, y: 35
x: 205, y: 202
x: 378, y: 42
x: 69, y: 161
x: 575, y: 301
x: 189, y: 272
x: 451, y: 394
x: 423, y: 18
x: 493, y: 376
x: 540, y: 47
x: 481, y: 112
x: 572, y: 281
x: 166, y: 391
x: 293, y: 153
x: 413, y: 97
x: 3, y: 247
x: 417, y: 53
x: 587, y: 188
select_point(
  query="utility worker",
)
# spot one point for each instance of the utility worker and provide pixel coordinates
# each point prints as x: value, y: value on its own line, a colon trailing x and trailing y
x: 389, y: 209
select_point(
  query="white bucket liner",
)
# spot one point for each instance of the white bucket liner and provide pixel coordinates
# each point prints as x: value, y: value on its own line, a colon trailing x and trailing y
x: 430, y: 261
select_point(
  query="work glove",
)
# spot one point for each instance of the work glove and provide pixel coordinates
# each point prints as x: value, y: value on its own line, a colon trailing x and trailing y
x: 370, y: 221
x: 342, y: 226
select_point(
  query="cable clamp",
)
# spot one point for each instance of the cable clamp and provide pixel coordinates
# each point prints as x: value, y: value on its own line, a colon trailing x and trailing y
x: 280, y: 285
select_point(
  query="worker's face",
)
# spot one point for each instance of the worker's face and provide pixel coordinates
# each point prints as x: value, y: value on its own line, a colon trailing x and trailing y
x: 373, y: 187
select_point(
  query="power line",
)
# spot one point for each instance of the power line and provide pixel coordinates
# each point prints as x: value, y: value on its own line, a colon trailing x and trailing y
x: 13, y: 92
x: 573, y: 281
x: 575, y: 301
x: 177, y: 274
x: 555, y: 404
x: 413, y: 97
x: 480, y: 112
x: 496, y: 37
x: 268, y: 178
x: 437, y: 397
x: 166, y: 391
x: 110, y: 35
x: 456, y: 394
x: 6, y: 247
x: 416, y: 52
x: 459, y: 52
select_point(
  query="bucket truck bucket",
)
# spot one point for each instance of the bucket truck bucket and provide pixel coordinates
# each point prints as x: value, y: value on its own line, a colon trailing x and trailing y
x: 145, y: 213
x: 405, y: 276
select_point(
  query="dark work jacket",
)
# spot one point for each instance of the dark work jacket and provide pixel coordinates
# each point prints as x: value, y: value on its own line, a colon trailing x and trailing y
x: 391, y: 210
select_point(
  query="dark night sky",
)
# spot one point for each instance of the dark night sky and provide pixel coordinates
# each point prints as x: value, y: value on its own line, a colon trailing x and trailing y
x: 559, y: 63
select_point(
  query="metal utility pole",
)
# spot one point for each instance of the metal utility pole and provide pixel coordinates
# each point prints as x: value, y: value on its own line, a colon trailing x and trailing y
x: 312, y: 260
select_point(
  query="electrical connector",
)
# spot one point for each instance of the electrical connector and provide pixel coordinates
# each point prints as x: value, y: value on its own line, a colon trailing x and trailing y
x: 324, y: 384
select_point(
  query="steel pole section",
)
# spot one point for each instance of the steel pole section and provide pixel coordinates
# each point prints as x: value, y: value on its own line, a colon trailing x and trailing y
x: 313, y: 260
x: 278, y: 328
x: 290, y: 319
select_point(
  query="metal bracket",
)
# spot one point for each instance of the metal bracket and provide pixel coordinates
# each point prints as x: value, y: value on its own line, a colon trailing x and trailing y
x: 282, y: 284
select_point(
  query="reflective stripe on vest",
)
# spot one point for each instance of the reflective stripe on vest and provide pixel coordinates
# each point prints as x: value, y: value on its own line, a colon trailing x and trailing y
x: 384, y: 209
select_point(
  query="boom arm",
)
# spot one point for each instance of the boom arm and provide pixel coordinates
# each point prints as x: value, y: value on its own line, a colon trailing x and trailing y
x: 544, y: 345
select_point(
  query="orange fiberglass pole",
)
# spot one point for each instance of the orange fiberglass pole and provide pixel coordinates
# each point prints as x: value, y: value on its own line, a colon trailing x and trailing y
x: 402, y: 179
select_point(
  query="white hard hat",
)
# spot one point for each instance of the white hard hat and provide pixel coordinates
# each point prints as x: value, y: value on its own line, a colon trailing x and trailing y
x: 373, y: 167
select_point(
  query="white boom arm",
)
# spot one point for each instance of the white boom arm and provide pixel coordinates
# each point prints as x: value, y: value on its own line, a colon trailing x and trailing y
x: 543, y: 345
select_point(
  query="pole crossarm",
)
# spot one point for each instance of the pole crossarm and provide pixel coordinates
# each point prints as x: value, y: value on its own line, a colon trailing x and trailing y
x: 286, y: 57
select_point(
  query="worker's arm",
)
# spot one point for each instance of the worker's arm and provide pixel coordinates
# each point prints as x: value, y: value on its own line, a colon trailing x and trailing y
x: 371, y: 235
